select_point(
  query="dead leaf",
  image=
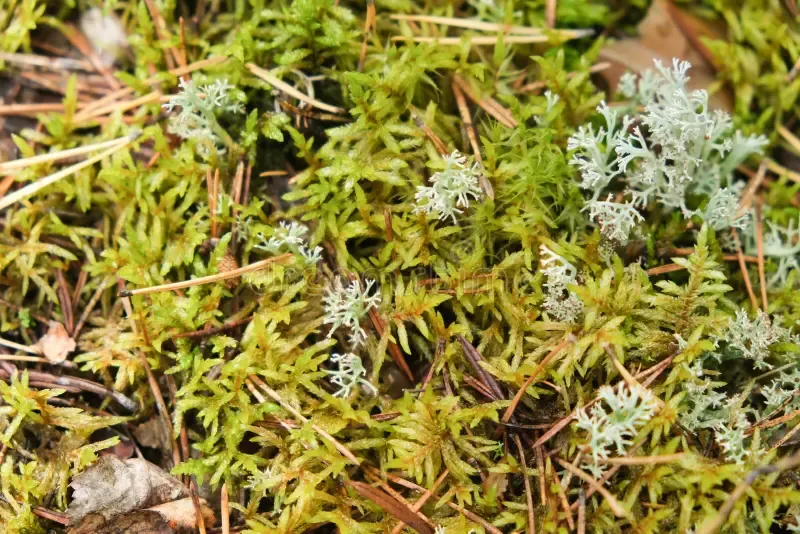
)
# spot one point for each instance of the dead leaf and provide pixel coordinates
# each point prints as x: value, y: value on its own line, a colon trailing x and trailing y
x: 153, y: 433
x: 141, y: 522
x: 112, y: 487
x: 56, y: 343
x: 666, y: 33
x: 392, y: 506
x: 181, y: 513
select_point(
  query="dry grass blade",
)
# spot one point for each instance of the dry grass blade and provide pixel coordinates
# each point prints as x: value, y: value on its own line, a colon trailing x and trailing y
x: 289, y: 90
x: 30, y: 349
x: 33, y: 188
x: 780, y: 170
x: 369, y: 26
x: 30, y: 109
x: 208, y: 279
x: 392, y: 506
x: 475, y: 24
x: 664, y: 269
x: 224, y: 511
x: 790, y: 138
x: 746, y: 200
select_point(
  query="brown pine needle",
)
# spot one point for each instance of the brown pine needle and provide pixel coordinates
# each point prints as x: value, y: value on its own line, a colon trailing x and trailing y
x: 438, y: 144
x: 30, y: 109
x: 528, y: 489
x: 369, y: 25
x: 790, y: 138
x: 30, y: 349
x: 466, y: 116
x: 477, y: 40
x: 23, y: 163
x: 33, y: 188
x: 223, y: 499
x: 536, y: 86
x: 762, y: 278
x: 475, y: 24
x: 715, y: 523
x: 616, y: 508
x: 581, y: 512
x: 289, y: 408
x: 122, y: 107
x: 550, y: 13
x: 518, y: 397
x: 645, y: 460
x: 664, y: 269
x: 780, y: 170
x: 47, y: 62
x: 475, y: 518
x: 745, y: 274
x: 291, y: 91
x: 562, y: 499
x: 417, y: 506
x: 488, y: 104
x: 746, y: 200
x: 207, y: 279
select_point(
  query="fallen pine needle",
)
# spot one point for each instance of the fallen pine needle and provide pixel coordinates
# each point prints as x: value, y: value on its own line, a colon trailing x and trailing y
x: 55, y: 156
x: 475, y: 24
x: 644, y: 460
x: 207, y: 279
x: 477, y: 40
x: 288, y: 89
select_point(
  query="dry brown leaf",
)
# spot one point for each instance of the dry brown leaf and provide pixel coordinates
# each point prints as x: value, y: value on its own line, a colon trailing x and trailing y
x: 181, y: 513
x: 56, y: 343
x: 112, y: 487
x: 141, y: 522
x: 665, y: 33
x: 153, y: 433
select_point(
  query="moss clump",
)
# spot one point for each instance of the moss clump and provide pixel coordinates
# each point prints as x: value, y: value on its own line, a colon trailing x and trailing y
x: 438, y: 310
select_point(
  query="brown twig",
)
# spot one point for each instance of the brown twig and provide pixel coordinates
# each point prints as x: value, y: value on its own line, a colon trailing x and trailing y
x: 562, y: 499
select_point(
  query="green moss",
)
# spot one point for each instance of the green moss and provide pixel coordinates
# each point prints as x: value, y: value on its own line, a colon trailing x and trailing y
x: 461, y: 304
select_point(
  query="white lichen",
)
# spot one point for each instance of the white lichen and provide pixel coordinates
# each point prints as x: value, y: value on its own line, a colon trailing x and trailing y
x: 611, y: 422
x: 451, y: 189
x: 290, y: 237
x: 559, y: 302
x: 346, y: 306
x: 349, y: 374
x: 689, y: 151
